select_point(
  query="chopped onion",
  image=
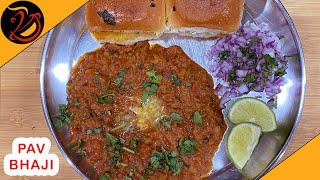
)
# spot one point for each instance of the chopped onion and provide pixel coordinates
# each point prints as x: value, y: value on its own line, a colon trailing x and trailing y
x: 254, y: 62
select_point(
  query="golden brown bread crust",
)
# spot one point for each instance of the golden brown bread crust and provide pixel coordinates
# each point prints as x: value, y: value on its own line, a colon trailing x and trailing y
x: 138, y: 20
x: 219, y: 15
x: 127, y: 15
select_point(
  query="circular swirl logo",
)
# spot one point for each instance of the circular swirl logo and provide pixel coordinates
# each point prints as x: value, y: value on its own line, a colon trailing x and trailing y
x: 22, y: 22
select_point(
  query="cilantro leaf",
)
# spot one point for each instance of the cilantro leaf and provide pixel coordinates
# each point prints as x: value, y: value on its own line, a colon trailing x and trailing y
x: 65, y: 116
x: 134, y: 143
x: 197, y: 118
x: 187, y: 146
x: 153, y: 84
x: 249, y: 78
x: 95, y: 130
x: 155, y: 78
x: 175, y: 79
x: 175, y: 117
x: 254, y: 41
x: 145, y: 97
x: 105, y: 99
x: 270, y: 62
x: 146, y: 84
x: 166, y: 160
x: 223, y: 55
x: 98, y: 130
x: 146, y: 94
x: 153, y: 89
x: 166, y: 124
x: 76, y: 102
x: 105, y: 176
x: 281, y: 72
x: 115, y: 142
x: 149, y: 171
x: 80, y: 148
x: 120, y: 77
x: 115, y: 157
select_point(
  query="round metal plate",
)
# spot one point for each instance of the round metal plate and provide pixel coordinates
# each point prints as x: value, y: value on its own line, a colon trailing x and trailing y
x: 70, y: 39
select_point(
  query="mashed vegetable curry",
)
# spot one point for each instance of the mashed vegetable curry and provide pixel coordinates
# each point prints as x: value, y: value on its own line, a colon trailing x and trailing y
x: 137, y: 112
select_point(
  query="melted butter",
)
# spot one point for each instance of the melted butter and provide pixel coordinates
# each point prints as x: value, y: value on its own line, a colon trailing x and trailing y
x: 150, y: 114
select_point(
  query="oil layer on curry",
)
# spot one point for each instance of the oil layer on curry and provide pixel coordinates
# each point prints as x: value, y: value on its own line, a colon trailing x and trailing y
x: 142, y: 112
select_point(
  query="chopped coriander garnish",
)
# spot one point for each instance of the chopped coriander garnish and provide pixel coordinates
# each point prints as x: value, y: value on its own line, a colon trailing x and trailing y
x: 223, y: 55
x: 120, y: 77
x: 134, y: 143
x: 254, y: 41
x: 127, y: 178
x: 146, y: 94
x: 175, y: 79
x: 115, y: 142
x: 281, y: 72
x: 197, y: 118
x: 154, y: 77
x: 75, y: 102
x: 244, y: 51
x: 120, y: 126
x: 153, y: 84
x: 105, y: 176
x: 89, y: 131
x: 105, y: 98
x: 149, y: 171
x: 231, y: 75
x: 175, y: 117
x: 188, y: 84
x: 65, y: 116
x: 146, y: 84
x: 80, y: 148
x: 166, y: 124
x: 166, y: 160
x: 270, y: 62
x: 97, y: 130
x: 115, y: 158
x: 249, y: 78
x: 145, y: 97
x: 153, y: 89
x: 187, y: 146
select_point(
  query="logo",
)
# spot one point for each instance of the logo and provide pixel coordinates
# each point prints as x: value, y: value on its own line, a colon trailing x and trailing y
x: 31, y: 157
x: 22, y: 22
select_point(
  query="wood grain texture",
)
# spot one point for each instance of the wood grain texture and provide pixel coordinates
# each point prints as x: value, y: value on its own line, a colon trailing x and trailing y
x: 21, y: 112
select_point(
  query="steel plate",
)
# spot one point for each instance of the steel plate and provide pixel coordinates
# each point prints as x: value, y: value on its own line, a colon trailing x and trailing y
x: 70, y: 39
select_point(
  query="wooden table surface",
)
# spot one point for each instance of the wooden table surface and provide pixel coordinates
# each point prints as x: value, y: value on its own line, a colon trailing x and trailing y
x: 22, y: 116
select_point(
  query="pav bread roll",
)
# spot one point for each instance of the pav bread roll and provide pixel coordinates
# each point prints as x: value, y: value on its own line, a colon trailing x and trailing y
x: 125, y: 22
x: 203, y: 18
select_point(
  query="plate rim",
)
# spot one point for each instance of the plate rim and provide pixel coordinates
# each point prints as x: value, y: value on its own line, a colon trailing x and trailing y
x: 297, y: 40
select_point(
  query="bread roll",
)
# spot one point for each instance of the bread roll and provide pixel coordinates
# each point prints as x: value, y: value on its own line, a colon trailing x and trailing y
x: 125, y: 22
x: 203, y: 18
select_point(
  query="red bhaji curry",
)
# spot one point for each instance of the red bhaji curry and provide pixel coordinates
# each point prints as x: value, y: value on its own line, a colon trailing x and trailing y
x: 142, y: 112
